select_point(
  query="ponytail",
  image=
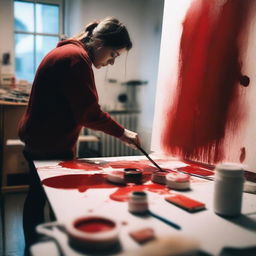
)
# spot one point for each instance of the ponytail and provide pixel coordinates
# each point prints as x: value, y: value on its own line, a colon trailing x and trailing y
x: 109, y: 31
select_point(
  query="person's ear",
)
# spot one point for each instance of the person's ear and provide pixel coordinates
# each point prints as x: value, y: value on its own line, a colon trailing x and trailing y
x: 98, y: 45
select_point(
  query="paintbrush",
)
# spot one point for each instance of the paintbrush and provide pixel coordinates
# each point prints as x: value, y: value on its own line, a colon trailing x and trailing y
x: 166, y: 221
x: 149, y: 158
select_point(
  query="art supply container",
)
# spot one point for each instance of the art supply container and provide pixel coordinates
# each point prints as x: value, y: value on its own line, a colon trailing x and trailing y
x: 178, y: 181
x: 138, y: 202
x: 159, y: 177
x: 228, y: 189
x: 133, y: 175
x: 92, y: 232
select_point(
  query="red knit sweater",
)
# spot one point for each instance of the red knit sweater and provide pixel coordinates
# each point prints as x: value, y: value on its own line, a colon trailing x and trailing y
x: 63, y: 100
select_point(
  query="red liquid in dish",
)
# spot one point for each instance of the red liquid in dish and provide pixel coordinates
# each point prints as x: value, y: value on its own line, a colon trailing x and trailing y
x: 94, y: 225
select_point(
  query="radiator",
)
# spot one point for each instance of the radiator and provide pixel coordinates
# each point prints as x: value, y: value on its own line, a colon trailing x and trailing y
x: 111, y: 146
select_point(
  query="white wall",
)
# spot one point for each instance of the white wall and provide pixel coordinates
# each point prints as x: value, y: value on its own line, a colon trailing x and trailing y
x: 143, y: 19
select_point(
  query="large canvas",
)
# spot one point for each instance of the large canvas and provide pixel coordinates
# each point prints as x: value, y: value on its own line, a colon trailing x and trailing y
x: 206, y: 82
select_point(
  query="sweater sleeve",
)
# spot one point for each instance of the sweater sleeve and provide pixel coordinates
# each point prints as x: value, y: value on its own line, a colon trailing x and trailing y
x: 80, y: 91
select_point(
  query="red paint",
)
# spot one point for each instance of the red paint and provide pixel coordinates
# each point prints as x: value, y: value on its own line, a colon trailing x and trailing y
x: 90, y: 166
x: 82, y: 182
x: 81, y: 165
x: 242, y: 154
x: 122, y: 194
x: 196, y: 170
x: 208, y: 103
x: 94, y: 225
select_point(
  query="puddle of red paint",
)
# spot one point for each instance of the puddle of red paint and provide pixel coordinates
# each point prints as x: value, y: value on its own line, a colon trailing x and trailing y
x: 82, y: 182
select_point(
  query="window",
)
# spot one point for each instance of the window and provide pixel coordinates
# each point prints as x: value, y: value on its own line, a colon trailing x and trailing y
x: 37, y: 31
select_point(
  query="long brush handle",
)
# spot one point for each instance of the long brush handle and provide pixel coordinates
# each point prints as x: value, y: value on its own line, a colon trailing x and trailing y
x: 168, y: 222
x: 149, y: 158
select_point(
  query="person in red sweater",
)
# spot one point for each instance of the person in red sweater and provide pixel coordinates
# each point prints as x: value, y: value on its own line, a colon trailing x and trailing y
x: 63, y: 100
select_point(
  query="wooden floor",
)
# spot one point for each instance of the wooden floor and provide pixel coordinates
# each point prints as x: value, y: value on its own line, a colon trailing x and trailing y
x: 11, y: 236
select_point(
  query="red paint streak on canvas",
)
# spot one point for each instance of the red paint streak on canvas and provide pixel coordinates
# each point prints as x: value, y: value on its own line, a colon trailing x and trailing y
x: 122, y: 194
x: 207, y: 102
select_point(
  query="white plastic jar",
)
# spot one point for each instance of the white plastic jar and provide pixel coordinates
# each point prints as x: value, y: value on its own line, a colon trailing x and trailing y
x: 228, y: 189
x: 138, y: 202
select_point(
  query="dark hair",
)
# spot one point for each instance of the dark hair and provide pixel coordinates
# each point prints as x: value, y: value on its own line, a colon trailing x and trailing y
x: 109, y: 31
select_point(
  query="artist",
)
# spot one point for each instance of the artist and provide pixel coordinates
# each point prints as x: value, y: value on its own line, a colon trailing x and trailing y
x: 63, y: 100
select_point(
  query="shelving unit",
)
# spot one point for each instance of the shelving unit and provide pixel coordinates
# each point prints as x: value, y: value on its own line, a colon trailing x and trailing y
x: 12, y: 161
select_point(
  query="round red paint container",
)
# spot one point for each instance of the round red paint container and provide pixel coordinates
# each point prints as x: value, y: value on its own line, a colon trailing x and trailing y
x: 179, y: 181
x: 93, y: 232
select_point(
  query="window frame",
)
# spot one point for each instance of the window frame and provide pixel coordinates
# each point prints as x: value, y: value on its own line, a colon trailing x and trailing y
x: 60, y: 4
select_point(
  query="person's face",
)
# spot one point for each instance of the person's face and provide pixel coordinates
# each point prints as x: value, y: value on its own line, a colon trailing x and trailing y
x: 104, y: 56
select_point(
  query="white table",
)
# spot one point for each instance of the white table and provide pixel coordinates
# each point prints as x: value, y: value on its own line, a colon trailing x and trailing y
x: 212, y: 231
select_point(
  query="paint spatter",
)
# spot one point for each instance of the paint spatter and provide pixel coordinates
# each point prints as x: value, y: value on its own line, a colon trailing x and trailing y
x: 82, y: 182
x: 122, y: 194
x: 193, y: 169
x: 242, y: 154
x: 82, y: 165
x: 208, y: 104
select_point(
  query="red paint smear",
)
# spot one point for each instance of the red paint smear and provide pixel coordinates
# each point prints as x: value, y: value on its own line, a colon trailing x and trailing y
x: 122, y: 194
x: 82, y: 165
x: 85, y: 165
x: 82, y: 182
x: 207, y: 102
x: 196, y: 170
x: 242, y: 154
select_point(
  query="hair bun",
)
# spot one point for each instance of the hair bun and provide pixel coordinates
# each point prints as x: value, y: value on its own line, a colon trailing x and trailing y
x: 90, y: 27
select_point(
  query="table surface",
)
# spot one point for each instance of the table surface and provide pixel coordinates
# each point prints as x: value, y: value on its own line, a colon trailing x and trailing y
x: 212, y: 231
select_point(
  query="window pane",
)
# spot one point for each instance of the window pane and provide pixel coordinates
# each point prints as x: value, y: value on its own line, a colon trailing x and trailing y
x: 47, y: 19
x: 24, y: 59
x: 24, y: 16
x: 44, y: 44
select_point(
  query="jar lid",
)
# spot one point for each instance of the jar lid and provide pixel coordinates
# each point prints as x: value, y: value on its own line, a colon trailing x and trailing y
x: 230, y: 169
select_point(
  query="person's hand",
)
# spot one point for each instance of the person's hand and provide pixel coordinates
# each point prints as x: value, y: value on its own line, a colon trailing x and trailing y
x: 130, y: 138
